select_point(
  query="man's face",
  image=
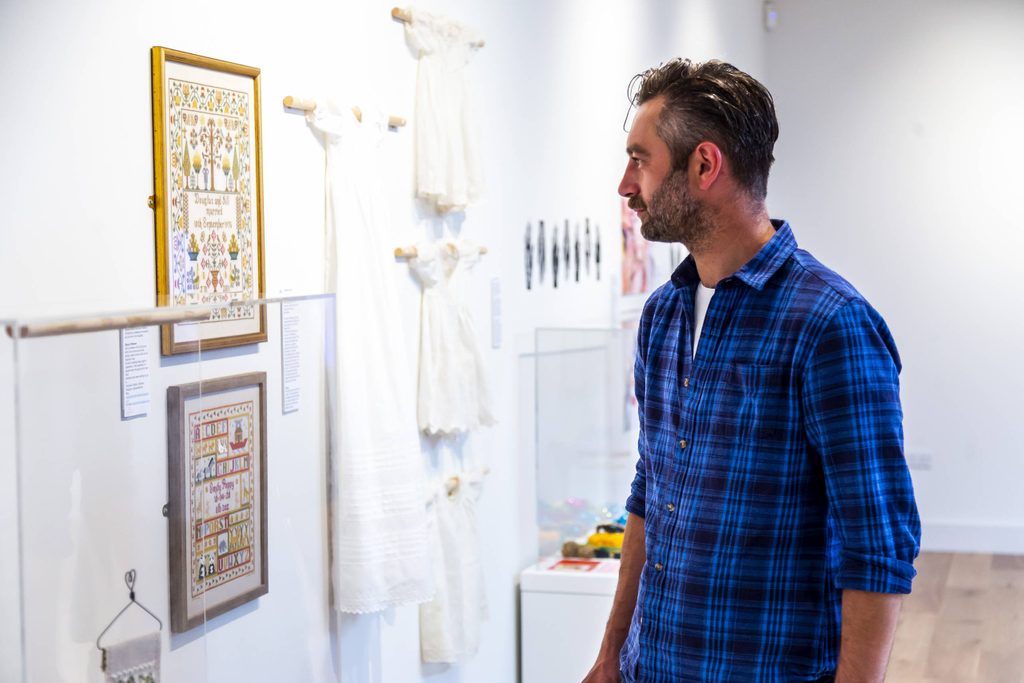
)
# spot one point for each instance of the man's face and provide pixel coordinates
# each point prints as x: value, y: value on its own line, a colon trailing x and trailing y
x: 660, y: 195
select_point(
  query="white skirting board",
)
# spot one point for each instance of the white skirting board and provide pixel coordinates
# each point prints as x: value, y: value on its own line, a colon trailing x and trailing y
x: 996, y: 537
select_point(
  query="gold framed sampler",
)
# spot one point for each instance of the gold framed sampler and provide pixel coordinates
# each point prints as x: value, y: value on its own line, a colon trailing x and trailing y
x: 217, y: 496
x: 208, y: 176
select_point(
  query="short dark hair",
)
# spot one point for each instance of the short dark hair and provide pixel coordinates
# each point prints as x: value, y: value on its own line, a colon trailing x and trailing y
x: 717, y: 102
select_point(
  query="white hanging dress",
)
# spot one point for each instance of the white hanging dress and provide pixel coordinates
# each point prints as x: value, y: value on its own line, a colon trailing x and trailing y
x: 379, y: 548
x: 450, y: 623
x: 453, y: 394
x: 448, y: 172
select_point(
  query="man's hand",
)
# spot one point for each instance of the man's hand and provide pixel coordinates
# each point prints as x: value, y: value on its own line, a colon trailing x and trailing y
x: 634, y: 554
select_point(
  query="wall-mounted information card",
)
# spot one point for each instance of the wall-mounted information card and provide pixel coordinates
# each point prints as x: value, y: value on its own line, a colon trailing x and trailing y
x: 291, y: 379
x: 135, y: 371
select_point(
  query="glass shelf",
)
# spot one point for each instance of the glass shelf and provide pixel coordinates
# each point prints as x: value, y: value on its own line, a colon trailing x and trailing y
x: 83, y: 493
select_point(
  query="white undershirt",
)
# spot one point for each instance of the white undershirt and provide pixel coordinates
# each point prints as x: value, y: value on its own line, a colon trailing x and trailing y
x: 700, y: 311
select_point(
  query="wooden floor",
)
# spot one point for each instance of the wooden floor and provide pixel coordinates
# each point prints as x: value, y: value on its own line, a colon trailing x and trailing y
x: 963, y: 623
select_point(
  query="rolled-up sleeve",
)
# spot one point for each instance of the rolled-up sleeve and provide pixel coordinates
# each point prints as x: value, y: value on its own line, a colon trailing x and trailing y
x: 636, y: 502
x: 854, y: 421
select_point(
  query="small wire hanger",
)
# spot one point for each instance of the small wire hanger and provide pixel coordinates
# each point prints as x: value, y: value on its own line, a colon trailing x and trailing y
x: 129, y: 580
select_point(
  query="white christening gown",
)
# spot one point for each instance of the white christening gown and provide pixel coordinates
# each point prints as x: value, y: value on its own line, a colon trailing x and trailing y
x: 453, y: 391
x: 450, y: 623
x: 380, y: 556
x: 447, y: 167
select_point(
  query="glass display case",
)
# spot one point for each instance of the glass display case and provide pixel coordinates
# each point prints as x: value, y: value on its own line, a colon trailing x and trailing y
x: 168, y: 507
x: 586, y: 434
x: 586, y: 431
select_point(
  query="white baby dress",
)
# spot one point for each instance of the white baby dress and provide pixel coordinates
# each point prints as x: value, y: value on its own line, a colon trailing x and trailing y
x: 447, y: 168
x: 379, y: 548
x: 453, y: 392
x: 450, y: 623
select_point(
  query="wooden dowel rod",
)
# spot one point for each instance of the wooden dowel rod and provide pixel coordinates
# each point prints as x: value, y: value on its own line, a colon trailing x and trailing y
x: 303, y: 103
x: 117, y: 322
x: 308, y: 104
x: 410, y: 251
x: 451, y: 484
x: 405, y: 16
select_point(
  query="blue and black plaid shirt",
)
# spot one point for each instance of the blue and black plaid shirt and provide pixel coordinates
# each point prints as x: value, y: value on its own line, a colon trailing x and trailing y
x: 771, y: 473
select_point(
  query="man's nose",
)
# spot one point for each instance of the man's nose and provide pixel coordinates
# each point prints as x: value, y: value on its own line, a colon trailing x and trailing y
x: 628, y: 186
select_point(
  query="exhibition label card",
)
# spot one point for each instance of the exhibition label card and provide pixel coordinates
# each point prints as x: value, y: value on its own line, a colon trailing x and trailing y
x: 135, y: 395
x: 291, y: 380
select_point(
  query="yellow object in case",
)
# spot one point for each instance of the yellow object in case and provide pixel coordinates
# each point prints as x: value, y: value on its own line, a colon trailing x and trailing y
x: 607, y: 536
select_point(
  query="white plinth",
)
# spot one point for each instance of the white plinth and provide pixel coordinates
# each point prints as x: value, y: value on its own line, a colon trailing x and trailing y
x: 565, y: 606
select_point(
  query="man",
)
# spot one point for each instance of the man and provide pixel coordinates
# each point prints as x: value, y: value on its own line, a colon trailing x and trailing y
x: 772, y: 523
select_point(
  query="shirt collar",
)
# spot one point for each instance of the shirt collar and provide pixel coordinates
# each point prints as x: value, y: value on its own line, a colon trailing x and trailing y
x: 757, y: 271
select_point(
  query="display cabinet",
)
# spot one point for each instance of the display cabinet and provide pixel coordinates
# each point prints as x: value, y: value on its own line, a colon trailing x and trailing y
x: 186, y: 490
x: 586, y: 431
x: 586, y: 435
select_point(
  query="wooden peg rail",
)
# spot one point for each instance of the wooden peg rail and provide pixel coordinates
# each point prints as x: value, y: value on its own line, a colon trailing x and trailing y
x: 307, y: 104
x: 303, y: 103
x: 405, y: 16
x: 410, y: 251
x: 451, y: 484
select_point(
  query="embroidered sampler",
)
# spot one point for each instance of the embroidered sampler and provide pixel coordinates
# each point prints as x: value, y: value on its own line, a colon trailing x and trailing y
x: 212, y: 238
x: 222, y: 539
x: 133, y: 661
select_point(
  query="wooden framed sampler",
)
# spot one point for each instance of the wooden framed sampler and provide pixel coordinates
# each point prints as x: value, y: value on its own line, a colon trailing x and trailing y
x: 217, y: 496
x: 208, y: 175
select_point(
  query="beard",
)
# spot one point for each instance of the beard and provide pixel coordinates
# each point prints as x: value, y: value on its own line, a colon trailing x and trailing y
x: 674, y: 215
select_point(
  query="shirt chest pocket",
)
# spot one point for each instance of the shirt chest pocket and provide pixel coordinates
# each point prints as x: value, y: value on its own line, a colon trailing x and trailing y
x: 770, y: 406
x: 751, y: 402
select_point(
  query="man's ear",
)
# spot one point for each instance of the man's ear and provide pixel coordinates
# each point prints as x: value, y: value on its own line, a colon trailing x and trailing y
x: 706, y: 164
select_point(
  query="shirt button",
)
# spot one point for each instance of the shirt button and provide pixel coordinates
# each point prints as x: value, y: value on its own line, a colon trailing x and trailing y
x: 686, y: 381
x: 658, y: 566
x: 670, y: 507
x: 682, y: 443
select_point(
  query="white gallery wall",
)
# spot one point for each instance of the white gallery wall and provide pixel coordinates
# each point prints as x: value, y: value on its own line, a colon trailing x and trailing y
x: 550, y: 99
x: 899, y: 164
